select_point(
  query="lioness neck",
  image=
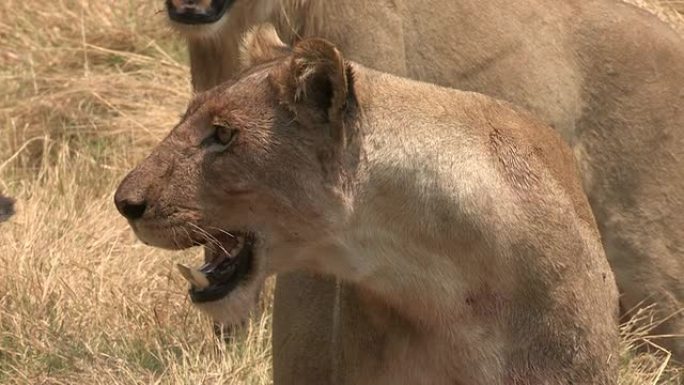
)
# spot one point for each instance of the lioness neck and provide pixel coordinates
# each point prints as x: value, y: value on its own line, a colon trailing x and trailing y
x: 427, y: 198
x: 449, y: 251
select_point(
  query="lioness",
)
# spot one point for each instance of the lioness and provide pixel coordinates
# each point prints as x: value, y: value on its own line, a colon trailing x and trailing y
x: 608, y: 76
x: 458, y: 222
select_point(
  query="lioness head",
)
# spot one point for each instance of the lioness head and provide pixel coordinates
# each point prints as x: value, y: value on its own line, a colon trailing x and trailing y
x: 253, y: 172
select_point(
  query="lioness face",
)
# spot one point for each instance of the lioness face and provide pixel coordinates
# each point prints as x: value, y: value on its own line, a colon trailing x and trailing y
x: 250, y: 173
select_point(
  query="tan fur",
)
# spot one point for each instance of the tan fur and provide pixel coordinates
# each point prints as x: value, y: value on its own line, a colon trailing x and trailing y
x: 459, y: 225
x: 257, y: 45
x: 606, y: 75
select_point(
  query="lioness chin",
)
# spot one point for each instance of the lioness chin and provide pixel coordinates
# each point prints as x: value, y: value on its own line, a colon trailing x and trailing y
x: 458, y: 222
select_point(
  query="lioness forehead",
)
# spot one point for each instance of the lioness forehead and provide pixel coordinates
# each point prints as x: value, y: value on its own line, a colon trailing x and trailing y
x: 215, y: 98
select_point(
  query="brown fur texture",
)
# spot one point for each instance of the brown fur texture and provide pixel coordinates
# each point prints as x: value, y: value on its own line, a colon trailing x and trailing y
x: 606, y: 75
x: 458, y: 224
x: 6, y: 208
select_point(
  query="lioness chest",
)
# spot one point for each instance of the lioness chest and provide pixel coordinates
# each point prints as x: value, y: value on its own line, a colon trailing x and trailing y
x: 377, y: 346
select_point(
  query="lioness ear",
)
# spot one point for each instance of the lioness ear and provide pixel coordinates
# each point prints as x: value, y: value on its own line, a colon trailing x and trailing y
x: 315, y: 84
x: 260, y: 45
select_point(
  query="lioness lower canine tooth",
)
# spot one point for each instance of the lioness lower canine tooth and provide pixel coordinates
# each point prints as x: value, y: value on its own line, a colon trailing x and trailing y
x: 195, y: 277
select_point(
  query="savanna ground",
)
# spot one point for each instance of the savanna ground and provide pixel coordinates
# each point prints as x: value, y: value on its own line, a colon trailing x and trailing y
x: 85, y: 89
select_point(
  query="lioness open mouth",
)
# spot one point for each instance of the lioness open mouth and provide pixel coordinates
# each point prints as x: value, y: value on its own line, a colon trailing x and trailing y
x: 225, y: 268
x: 192, y: 14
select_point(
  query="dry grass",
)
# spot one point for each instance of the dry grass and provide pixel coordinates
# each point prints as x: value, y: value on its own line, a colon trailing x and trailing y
x: 670, y: 11
x: 87, y: 87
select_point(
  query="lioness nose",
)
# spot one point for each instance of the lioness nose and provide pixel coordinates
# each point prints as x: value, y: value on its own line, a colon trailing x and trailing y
x: 130, y: 198
x: 131, y: 209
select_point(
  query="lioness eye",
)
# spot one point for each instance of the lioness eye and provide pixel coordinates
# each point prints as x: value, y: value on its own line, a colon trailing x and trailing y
x: 221, y: 137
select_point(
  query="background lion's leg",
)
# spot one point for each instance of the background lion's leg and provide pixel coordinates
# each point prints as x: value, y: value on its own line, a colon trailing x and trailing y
x: 648, y: 265
x: 631, y: 151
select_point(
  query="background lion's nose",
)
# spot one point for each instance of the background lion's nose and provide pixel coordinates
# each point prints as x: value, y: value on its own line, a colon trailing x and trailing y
x: 189, y: 5
x: 131, y: 209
